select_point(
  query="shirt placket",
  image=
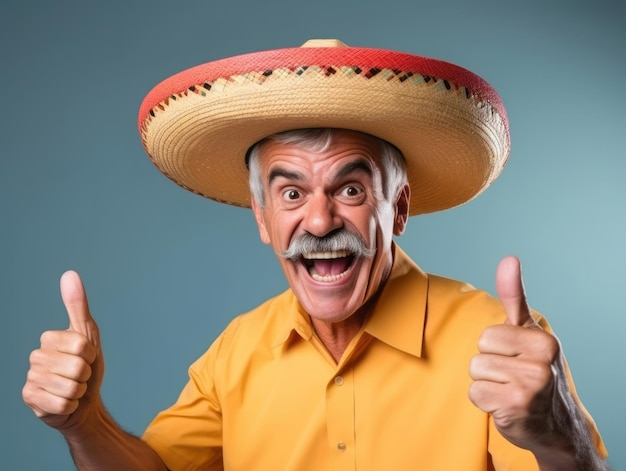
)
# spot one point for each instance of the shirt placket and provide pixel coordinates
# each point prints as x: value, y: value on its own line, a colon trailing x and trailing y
x: 340, y: 419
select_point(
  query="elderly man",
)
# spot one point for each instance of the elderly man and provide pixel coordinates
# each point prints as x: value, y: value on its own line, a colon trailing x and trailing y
x: 363, y: 363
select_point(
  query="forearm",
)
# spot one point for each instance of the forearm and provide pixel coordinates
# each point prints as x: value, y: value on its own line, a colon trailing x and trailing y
x: 101, y: 445
x: 570, y: 459
x: 568, y: 445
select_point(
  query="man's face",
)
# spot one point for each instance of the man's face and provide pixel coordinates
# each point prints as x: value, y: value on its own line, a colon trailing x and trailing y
x: 321, y: 194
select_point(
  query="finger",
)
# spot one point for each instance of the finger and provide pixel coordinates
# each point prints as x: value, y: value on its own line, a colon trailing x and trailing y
x: 487, y: 395
x: 51, y: 408
x: 67, y: 342
x: 510, y: 288
x: 77, y: 307
x: 57, y: 385
x: 511, y: 340
x: 492, y: 368
x: 44, y: 403
x: 511, y: 370
x: 58, y: 363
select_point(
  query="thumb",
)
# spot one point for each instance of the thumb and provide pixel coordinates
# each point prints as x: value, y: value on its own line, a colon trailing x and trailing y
x: 510, y: 288
x: 77, y: 307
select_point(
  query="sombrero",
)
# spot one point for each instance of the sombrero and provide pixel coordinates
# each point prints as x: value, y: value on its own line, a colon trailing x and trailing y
x: 449, y: 123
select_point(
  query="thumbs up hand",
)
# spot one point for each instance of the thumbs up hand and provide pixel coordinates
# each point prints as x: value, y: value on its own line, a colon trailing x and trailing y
x: 65, y: 375
x: 518, y: 368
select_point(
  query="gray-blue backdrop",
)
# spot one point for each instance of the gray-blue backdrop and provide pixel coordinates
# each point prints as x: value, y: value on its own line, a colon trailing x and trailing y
x: 166, y: 270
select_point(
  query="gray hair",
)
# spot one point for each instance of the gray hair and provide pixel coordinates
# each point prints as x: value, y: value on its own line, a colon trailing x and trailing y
x: 320, y: 140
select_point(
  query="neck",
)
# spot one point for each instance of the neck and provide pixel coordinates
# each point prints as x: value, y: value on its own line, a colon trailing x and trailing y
x: 337, y: 336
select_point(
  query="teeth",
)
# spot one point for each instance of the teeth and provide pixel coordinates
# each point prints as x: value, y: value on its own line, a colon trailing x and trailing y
x: 327, y: 255
x: 333, y: 254
x: 329, y: 278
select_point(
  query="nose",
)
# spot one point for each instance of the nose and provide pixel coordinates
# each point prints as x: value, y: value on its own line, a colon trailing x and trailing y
x: 320, y: 217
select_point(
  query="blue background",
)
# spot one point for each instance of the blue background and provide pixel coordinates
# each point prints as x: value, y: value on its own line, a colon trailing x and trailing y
x: 166, y: 270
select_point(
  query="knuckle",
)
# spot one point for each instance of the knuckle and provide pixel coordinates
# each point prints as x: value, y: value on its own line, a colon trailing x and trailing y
x: 519, y: 398
x: 63, y: 406
x: 81, y: 390
x: 550, y: 347
x: 28, y: 394
x: 35, y: 357
x: 473, y: 394
x: 81, y: 369
x: 74, y: 390
x: 76, y: 344
x: 70, y: 407
x: 554, y: 348
x: 485, y: 339
x: 32, y: 377
x: 46, y: 337
x: 474, y: 365
x: 44, y: 403
x: 478, y: 394
x: 474, y: 390
x: 74, y: 365
x: 543, y: 374
x: 82, y: 346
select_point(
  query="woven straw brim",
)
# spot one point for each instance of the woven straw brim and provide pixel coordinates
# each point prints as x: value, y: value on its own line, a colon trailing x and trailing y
x: 450, y: 125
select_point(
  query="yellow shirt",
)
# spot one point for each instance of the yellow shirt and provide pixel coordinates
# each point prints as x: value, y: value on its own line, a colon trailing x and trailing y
x: 268, y: 396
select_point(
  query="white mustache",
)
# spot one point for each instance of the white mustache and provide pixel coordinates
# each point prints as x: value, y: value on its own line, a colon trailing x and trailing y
x: 340, y: 240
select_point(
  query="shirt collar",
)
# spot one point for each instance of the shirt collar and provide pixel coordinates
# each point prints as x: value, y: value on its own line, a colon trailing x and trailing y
x: 400, y: 313
x: 296, y: 320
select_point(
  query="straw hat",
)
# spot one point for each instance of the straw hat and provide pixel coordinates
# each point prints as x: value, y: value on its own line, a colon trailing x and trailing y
x: 450, y: 124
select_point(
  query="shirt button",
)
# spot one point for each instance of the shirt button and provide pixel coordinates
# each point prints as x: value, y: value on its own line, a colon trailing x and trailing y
x: 338, y: 380
x: 341, y: 446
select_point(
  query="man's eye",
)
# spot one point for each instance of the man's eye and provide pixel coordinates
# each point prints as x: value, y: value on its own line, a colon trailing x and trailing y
x: 291, y: 195
x: 351, y: 191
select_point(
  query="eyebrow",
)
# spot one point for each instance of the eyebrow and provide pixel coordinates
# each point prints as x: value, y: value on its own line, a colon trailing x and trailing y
x: 351, y: 167
x: 355, y: 166
x: 281, y: 172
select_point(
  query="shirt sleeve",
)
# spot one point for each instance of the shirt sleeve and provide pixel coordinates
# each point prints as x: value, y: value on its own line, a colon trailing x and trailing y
x: 188, y: 435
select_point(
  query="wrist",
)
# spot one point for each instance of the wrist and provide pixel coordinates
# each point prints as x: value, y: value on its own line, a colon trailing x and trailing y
x: 90, y: 422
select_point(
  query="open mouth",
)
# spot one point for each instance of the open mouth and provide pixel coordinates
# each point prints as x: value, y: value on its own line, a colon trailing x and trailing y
x: 327, y: 267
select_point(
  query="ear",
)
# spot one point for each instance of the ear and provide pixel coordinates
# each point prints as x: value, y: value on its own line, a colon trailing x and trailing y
x: 402, y: 210
x: 260, y: 221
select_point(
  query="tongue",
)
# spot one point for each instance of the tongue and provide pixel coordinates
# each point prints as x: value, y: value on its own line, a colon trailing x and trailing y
x: 330, y: 267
